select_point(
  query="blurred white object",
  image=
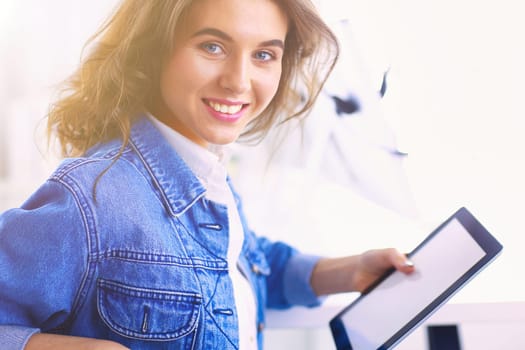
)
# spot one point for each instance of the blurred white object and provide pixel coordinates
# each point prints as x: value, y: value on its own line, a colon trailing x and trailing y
x: 356, y: 150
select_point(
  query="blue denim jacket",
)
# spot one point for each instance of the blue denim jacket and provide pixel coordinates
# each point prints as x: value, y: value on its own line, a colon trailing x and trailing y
x: 143, y: 262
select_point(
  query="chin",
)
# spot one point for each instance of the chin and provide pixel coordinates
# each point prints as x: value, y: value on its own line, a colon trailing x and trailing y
x: 223, y: 139
x: 223, y: 142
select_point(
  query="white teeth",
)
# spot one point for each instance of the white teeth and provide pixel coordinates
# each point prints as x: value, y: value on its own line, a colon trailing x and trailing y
x: 225, y: 108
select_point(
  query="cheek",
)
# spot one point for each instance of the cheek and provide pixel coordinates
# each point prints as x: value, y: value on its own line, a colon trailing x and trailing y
x: 169, y: 81
x: 180, y: 84
x: 269, y: 86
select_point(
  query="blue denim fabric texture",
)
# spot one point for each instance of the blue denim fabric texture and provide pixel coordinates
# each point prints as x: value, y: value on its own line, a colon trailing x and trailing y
x: 140, y: 258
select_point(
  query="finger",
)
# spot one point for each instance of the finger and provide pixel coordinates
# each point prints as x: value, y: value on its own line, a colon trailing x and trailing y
x: 402, y: 263
x: 408, y: 266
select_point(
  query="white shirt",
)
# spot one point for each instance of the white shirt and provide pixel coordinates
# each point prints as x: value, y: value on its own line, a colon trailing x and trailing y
x: 208, y: 166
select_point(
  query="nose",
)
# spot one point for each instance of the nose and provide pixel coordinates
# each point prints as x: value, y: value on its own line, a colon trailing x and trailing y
x: 236, y: 75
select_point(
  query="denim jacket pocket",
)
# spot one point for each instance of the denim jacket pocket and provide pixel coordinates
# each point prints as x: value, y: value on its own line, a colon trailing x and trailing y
x: 147, y: 314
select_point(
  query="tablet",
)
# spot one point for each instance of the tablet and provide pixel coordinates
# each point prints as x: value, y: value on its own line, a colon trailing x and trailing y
x: 397, y: 303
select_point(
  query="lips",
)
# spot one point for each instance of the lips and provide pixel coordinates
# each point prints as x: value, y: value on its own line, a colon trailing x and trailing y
x: 225, y: 111
x: 231, y: 109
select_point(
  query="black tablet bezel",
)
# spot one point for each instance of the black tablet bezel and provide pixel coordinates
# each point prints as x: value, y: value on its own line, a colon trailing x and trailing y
x: 477, y: 231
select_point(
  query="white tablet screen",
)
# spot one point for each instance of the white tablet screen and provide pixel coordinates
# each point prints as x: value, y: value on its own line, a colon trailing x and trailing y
x: 371, y: 321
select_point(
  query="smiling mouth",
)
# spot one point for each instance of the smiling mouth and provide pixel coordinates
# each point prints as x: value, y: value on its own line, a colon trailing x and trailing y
x: 223, y: 108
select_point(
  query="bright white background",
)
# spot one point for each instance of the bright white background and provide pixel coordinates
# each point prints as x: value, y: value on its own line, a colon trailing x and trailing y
x: 454, y: 100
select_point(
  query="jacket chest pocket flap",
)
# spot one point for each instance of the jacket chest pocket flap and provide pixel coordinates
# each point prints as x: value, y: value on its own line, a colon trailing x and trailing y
x: 148, y: 314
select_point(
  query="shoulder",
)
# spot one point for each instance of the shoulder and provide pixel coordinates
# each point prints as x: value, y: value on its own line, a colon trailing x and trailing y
x: 95, y: 160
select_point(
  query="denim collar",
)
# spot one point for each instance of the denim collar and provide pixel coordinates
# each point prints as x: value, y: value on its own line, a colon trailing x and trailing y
x: 178, y: 185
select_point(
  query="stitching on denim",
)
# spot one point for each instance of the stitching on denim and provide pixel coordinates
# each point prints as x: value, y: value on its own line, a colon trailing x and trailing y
x: 106, y: 286
x: 164, y: 195
x: 162, y: 259
x: 92, y: 245
x: 148, y: 293
x: 220, y: 330
x: 179, y: 223
x: 212, y: 295
x: 70, y: 166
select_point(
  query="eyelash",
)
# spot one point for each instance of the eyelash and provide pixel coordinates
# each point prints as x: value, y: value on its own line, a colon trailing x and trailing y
x: 213, y: 48
x: 207, y: 47
x: 270, y: 54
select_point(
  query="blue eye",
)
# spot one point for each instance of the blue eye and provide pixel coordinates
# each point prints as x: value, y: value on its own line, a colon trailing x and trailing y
x: 211, y: 48
x: 263, y: 56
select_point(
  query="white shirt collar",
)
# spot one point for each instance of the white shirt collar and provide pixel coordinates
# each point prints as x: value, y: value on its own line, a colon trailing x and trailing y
x: 208, y: 164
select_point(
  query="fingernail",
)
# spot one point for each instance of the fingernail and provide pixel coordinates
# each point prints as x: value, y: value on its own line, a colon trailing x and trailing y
x: 408, y: 263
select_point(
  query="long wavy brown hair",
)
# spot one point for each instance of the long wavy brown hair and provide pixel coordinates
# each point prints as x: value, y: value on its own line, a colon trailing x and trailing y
x: 118, y: 79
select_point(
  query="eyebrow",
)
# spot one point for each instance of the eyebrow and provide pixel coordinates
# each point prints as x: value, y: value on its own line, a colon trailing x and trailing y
x: 220, y: 34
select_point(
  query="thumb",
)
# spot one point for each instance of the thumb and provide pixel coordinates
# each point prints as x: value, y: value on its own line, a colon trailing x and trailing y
x: 402, y: 263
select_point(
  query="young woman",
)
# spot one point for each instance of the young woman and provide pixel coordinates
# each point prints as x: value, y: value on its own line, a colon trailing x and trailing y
x: 138, y: 239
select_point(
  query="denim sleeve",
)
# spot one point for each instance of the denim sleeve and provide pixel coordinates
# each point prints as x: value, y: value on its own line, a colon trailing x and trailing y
x: 43, y: 258
x: 15, y: 337
x: 289, y: 281
x: 296, y: 277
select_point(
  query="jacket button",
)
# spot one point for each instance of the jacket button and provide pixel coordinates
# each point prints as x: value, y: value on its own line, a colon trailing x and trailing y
x: 260, y: 327
x: 256, y: 269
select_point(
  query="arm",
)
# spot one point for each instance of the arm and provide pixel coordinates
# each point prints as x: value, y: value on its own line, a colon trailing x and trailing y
x: 42, y: 341
x: 43, y: 257
x: 357, y: 272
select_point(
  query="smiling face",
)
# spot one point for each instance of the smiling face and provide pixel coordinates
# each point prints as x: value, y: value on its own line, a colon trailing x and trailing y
x: 224, y: 70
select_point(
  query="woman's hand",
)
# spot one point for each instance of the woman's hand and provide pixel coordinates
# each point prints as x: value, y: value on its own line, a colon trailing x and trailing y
x: 358, y: 272
x: 43, y: 341
x: 374, y: 263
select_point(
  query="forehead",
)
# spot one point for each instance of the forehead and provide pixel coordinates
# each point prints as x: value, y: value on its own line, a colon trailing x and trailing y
x: 240, y: 19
